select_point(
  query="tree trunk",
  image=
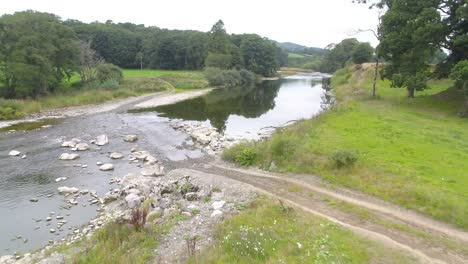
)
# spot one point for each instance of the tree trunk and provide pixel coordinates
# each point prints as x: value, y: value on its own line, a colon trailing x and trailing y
x: 141, y: 63
x: 410, y: 93
x: 374, y: 82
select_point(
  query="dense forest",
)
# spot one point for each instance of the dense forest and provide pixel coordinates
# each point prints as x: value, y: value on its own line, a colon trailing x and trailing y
x: 39, y: 51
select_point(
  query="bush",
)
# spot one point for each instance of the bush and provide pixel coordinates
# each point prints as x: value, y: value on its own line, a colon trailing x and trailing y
x: 229, y: 78
x: 343, y: 158
x: 108, y: 71
x: 244, y: 154
x: 10, y: 109
x: 109, y: 84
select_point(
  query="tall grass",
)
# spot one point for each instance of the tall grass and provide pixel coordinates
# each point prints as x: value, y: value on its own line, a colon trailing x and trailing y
x: 272, y: 233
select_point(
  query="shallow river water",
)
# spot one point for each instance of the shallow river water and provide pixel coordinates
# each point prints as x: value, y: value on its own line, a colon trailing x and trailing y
x: 236, y: 112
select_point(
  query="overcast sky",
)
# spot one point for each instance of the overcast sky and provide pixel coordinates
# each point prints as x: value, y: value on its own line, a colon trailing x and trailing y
x: 314, y: 23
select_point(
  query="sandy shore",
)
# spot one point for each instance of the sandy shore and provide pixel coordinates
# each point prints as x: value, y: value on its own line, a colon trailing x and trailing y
x: 144, y: 101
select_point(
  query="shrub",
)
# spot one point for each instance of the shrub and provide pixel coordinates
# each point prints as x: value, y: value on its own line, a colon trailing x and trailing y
x: 10, y: 109
x: 229, y: 78
x: 109, y: 84
x: 108, y: 71
x: 246, y: 157
x: 343, y: 158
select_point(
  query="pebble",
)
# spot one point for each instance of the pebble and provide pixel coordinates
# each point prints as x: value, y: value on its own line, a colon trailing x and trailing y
x: 34, y: 200
x: 52, y: 230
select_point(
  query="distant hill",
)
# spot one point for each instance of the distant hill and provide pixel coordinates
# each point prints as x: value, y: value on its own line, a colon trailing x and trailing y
x: 300, y: 49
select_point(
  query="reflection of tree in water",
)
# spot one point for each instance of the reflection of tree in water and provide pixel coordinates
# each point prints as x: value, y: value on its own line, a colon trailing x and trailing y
x: 217, y: 106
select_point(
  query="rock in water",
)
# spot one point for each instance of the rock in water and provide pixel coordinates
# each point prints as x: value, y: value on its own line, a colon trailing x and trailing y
x: 116, y: 155
x: 67, y: 190
x: 34, y: 200
x: 70, y: 144
x: 130, y: 138
x: 102, y: 140
x: 82, y: 146
x: 106, y: 167
x: 14, y: 153
x: 152, y: 170
x: 133, y: 200
x: 60, y: 179
x: 66, y: 156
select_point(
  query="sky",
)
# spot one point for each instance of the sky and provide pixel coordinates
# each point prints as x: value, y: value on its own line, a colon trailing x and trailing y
x: 313, y: 23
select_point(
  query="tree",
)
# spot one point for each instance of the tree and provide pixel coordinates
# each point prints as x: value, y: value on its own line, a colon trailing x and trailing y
x: 339, y: 55
x: 362, y: 53
x: 460, y: 75
x: 89, y: 60
x: 410, y: 33
x: 36, y: 54
x: 259, y: 54
x: 218, y: 41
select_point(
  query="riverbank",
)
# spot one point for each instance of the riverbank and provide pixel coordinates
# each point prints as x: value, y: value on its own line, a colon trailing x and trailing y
x: 135, y: 83
x: 390, y: 147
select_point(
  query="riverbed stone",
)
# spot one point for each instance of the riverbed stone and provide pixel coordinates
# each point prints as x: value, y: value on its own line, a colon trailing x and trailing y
x: 106, y: 167
x: 133, y: 200
x: 116, y: 155
x: 102, y: 140
x: 60, y: 179
x: 218, y: 205
x: 216, y: 213
x: 153, y: 170
x: 67, y: 156
x: 82, y: 146
x: 34, y: 200
x: 67, y: 190
x: 130, y: 138
x: 191, y: 196
x: 14, y: 153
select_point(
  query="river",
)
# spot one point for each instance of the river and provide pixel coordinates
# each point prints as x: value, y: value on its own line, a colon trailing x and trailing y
x: 242, y: 112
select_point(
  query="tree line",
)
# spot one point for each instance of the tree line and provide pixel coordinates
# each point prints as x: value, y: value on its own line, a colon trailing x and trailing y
x: 39, y: 51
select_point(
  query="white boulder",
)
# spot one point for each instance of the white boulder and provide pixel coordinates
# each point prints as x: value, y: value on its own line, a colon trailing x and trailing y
x: 133, y: 200
x: 153, y: 170
x: 67, y: 156
x: 82, y: 146
x: 67, y: 190
x: 106, y: 167
x: 130, y: 138
x: 101, y: 140
x: 14, y: 153
x: 218, y: 205
x: 216, y: 213
x: 116, y: 155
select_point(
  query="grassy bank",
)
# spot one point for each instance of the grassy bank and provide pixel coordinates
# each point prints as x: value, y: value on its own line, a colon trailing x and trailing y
x: 409, y: 152
x: 271, y: 233
x: 135, y: 83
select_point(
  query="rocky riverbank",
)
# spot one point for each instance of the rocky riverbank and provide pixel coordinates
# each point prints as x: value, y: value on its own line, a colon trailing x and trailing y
x: 200, y: 200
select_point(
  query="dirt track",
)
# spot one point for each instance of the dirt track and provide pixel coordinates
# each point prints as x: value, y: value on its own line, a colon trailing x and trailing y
x: 427, y: 240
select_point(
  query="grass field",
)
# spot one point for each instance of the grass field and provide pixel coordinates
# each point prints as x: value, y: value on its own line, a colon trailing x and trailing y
x: 410, y: 152
x: 136, y: 82
x: 267, y: 232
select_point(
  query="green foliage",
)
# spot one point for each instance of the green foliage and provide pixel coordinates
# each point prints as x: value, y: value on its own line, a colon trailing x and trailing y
x: 218, y: 60
x: 218, y: 40
x: 348, y: 50
x: 460, y: 76
x: 259, y: 54
x: 412, y: 34
x: 343, y: 158
x: 229, y: 78
x: 243, y: 154
x: 362, y: 53
x: 10, y: 109
x: 119, y: 243
x: 267, y: 232
x: 107, y: 72
x: 36, y: 54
